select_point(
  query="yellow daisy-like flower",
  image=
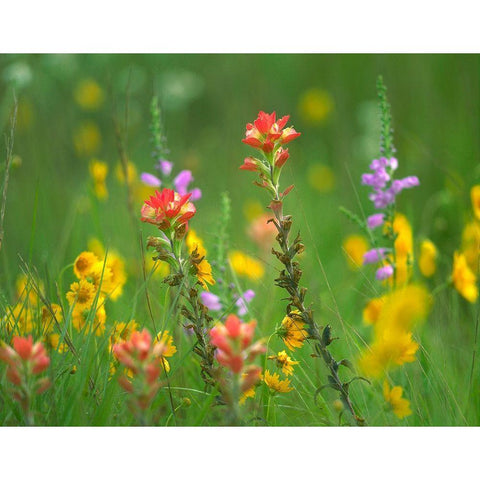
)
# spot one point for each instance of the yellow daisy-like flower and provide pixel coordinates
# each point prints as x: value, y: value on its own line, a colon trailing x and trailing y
x: 427, y: 263
x: 471, y: 245
x: 83, y: 264
x: 355, y: 246
x: 98, y: 172
x: 250, y: 393
x: 169, y: 349
x: 284, y: 362
x: 81, y: 294
x: 203, y: 269
x: 399, y: 405
x: 97, y: 325
x: 87, y: 138
x: 89, y: 95
x: 246, y: 266
x: 101, y: 275
x: 464, y: 279
x: 272, y: 380
x: 292, y: 331
x: 475, y: 196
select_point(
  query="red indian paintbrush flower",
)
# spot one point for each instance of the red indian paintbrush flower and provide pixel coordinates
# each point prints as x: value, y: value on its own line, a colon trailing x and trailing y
x: 266, y: 133
x: 168, y: 209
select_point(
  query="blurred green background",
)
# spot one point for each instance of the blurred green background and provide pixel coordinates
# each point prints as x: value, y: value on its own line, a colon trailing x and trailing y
x: 206, y: 101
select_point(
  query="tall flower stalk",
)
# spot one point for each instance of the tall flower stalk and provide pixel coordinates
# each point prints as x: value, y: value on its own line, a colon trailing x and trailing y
x: 269, y: 136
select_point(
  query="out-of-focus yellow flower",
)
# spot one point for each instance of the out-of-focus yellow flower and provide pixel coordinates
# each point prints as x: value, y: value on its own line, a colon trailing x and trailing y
x: 48, y: 325
x: 390, y: 348
x: 83, y: 264
x: 88, y: 94
x: 98, y: 172
x: 355, y: 246
x: 246, y: 266
x: 315, y: 106
x: 102, y: 277
x: 252, y: 209
x: 428, y: 258
x: 284, y: 362
x: 159, y: 268
x: 464, y: 279
x: 250, y: 393
x: 399, y: 405
x: 18, y: 319
x: 321, y: 178
x: 371, y: 312
x: 272, y: 380
x: 87, y: 138
x: 25, y: 290
x: 292, y: 331
x: 132, y: 174
x: 122, y: 331
x: 194, y: 241
x: 169, y: 349
x: 475, y: 196
x: 471, y: 245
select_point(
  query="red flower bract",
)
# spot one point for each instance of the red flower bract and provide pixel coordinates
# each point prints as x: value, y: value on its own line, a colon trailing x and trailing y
x: 168, y: 209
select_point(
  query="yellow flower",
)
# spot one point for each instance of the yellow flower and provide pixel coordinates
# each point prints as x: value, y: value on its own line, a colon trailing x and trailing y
x: 292, y: 331
x: 102, y: 277
x: 81, y: 294
x: 371, y: 312
x: 428, y: 257
x: 390, y: 349
x: 48, y: 322
x: 98, y: 172
x: 400, y: 406
x: 273, y: 382
x: 83, y: 264
x: 315, y: 106
x: 158, y: 267
x: 88, y: 94
x: 321, y: 178
x: 284, y: 362
x: 250, y: 393
x: 471, y: 245
x: 97, y: 325
x: 131, y: 173
x: 18, y: 319
x: 355, y: 246
x: 25, y: 290
x: 252, y: 210
x: 194, y: 241
x: 464, y: 279
x: 87, y: 138
x: 246, y: 266
x: 169, y: 349
x: 475, y: 196
x: 122, y: 332
x: 203, y: 269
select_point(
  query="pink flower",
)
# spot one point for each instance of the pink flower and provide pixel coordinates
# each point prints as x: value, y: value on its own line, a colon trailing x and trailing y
x: 384, y: 272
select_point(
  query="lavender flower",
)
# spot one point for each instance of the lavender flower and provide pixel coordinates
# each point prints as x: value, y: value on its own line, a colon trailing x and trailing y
x: 374, y: 255
x: 164, y: 166
x: 211, y: 301
x: 384, y: 272
x: 182, y: 181
x: 375, y: 220
x: 242, y: 302
x: 150, y: 180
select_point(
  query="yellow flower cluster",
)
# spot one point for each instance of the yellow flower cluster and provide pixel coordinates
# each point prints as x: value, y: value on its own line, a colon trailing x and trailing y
x: 292, y: 330
x: 203, y: 269
x: 98, y: 172
x: 97, y: 281
x: 393, y: 316
x: 355, y: 246
x: 403, y: 247
x: 427, y: 262
x: 393, y: 396
x: 273, y: 382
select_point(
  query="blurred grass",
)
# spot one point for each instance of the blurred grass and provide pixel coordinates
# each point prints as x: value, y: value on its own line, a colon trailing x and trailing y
x: 206, y: 101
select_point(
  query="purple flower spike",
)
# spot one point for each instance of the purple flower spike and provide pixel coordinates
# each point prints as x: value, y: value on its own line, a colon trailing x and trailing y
x: 165, y: 167
x: 150, y: 180
x: 182, y: 180
x: 374, y: 255
x: 384, y: 272
x: 375, y: 220
x: 211, y: 301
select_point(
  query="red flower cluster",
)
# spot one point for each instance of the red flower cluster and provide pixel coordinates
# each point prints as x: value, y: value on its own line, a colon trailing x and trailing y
x: 168, y: 209
x: 233, y: 343
x: 24, y: 360
x: 266, y: 133
x: 144, y: 362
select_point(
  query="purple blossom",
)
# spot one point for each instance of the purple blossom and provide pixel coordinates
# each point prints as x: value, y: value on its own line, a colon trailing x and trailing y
x: 181, y: 183
x: 211, y: 301
x: 150, y: 180
x: 164, y: 166
x: 242, y: 302
x: 374, y: 255
x: 196, y: 194
x: 375, y: 220
x: 384, y: 272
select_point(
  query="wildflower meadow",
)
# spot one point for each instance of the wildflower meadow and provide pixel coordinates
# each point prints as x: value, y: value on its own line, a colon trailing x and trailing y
x: 239, y: 240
